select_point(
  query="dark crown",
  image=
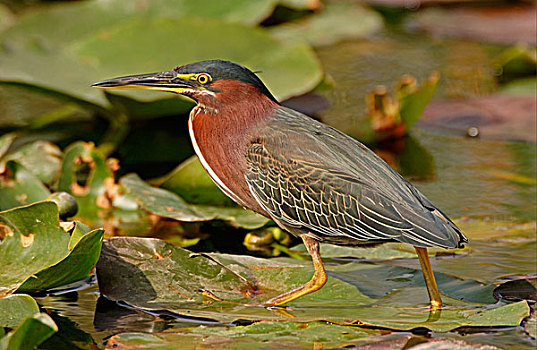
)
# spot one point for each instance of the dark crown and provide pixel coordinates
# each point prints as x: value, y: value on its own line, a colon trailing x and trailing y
x: 225, y: 70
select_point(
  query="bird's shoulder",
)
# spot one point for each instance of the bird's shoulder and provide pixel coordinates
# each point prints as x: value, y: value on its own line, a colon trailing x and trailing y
x: 303, y: 142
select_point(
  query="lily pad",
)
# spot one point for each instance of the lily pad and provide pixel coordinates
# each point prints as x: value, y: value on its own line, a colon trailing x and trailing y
x: 30, y: 333
x: 19, y: 186
x: 521, y: 288
x: 31, y: 242
x: 337, y: 21
x: 170, y: 205
x: 42, y: 158
x: 37, y: 51
x: 5, y: 142
x: 288, y: 335
x: 14, y: 308
x: 159, y: 277
x: 85, y: 174
x: 191, y: 181
x: 75, y: 267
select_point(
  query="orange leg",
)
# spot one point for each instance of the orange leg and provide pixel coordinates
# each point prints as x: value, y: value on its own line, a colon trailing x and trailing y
x: 430, y: 282
x: 317, y: 281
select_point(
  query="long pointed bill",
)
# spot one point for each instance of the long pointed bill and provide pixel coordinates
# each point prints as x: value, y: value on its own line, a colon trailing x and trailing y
x: 164, y: 81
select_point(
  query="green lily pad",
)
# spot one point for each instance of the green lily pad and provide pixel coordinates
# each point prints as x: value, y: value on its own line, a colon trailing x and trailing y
x: 32, y: 240
x: 170, y: 205
x: 271, y: 334
x: 75, y: 267
x: 85, y: 175
x: 14, y: 308
x: 191, y: 181
x: 30, y: 333
x: 42, y: 158
x: 337, y: 21
x: 7, y: 18
x: 38, y: 51
x: 5, y: 142
x: 157, y: 276
x: 34, y: 249
x: 20, y: 186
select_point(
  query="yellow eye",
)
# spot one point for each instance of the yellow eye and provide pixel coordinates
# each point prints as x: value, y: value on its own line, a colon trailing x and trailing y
x: 203, y: 78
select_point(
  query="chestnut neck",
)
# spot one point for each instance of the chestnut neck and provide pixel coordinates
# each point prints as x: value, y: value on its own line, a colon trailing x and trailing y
x: 222, y: 127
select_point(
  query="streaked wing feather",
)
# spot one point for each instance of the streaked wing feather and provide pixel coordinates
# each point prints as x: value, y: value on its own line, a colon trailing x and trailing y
x: 331, y: 185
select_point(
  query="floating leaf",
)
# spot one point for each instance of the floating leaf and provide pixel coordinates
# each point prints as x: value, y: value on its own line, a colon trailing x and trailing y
x: 521, y: 288
x: 19, y: 186
x: 159, y: 277
x: 191, y: 181
x: 42, y: 158
x: 85, y: 174
x: 271, y: 334
x: 14, y: 308
x: 30, y: 333
x: 337, y: 21
x: 75, y: 267
x: 34, y: 248
x: 32, y: 240
x: 5, y: 142
x: 170, y: 205
x: 37, y: 51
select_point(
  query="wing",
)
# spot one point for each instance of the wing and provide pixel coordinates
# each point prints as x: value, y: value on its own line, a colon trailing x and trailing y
x: 311, y: 177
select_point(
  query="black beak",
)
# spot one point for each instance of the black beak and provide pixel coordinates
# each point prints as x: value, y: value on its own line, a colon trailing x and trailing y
x: 163, y: 81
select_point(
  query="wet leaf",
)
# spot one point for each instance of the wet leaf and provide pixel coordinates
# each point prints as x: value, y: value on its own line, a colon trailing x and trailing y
x: 337, y: 21
x: 21, y: 107
x: 42, y: 158
x: 157, y: 276
x: 5, y: 142
x: 170, y: 205
x: 7, y: 18
x: 14, y: 308
x: 522, y: 288
x: 20, y: 259
x: 85, y: 55
x: 85, y: 174
x: 271, y: 334
x: 20, y: 186
x: 191, y: 181
x: 34, y: 250
x: 30, y: 333
x: 75, y: 267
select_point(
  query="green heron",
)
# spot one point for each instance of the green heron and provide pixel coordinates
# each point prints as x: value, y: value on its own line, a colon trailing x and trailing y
x: 311, y: 179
